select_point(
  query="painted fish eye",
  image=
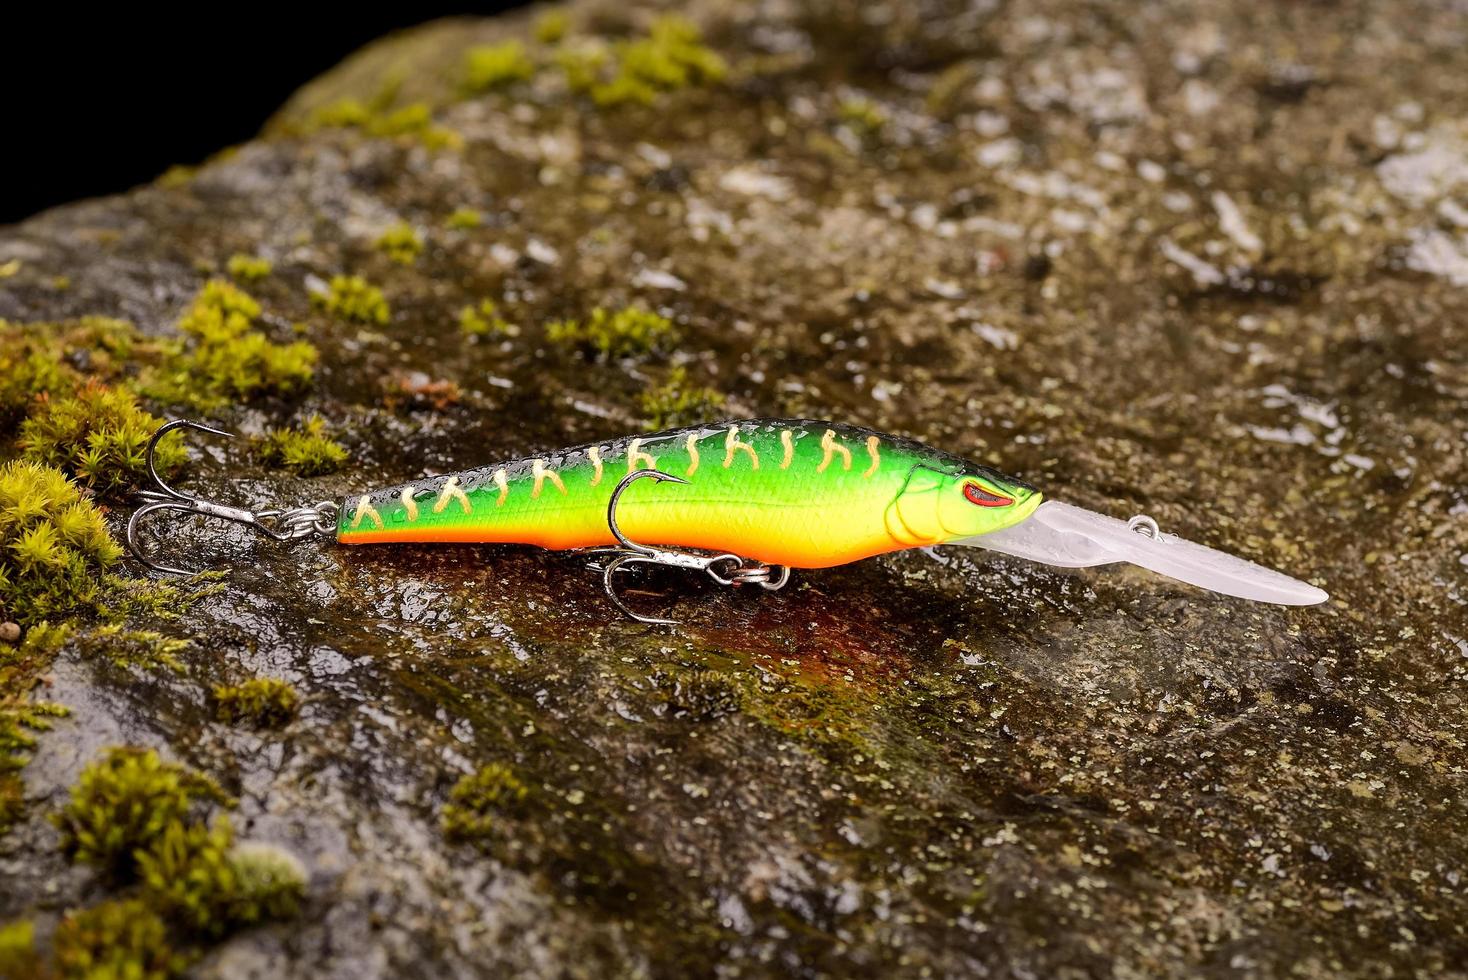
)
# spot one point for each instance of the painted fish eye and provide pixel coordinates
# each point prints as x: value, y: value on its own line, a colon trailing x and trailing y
x: 984, y: 498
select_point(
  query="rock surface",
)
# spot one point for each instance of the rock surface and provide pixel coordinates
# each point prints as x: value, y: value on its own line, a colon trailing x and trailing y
x: 1206, y: 260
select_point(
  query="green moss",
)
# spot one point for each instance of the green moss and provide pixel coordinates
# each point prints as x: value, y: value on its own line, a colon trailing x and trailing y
x: 552, y: 26
x: 494, y: 66
x: 42, y: 359
x: 186, y: 874
x: 54, y: 544
x: 583, y: 63
x: 122, y: 805
x: 117, y: 939
x: 413, y: 121
x: 18, y: 957
x: 464, y: 219
x: 98, y: 436
x: 354, y: 299
x: 207, y: 885
x: 269, y: 883
x: 262, y: 702
x: 227, y: 358
x: 308, y: 450
x: 477, y: 799
x: 248, y: 268
x: 24, y: 375
x: 130, y: 648
x: 401, y: 242
x: 21, y: 670
x: 671, y: 57
x: 863, y: 117
x: 484, y: 320
x: 624, y: 333
x: 677, y: 402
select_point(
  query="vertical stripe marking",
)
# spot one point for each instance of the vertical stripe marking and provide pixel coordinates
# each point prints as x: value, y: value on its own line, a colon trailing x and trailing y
x: 872, y: 442
x: 692, y: 454
x: 732, y: 445
x: 595, y: 454
x: 789, y: 445
x: 504, y: 485
x: 451, y: 491
x: 635, y: 455
x: 541, y: 474
x: 364, y: 509
x: 832, y: 447
x: 409, y: 505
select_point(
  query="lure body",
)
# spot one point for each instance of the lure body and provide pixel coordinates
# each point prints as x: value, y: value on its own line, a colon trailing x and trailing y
x: 799, y: 493
x: 743, y: 502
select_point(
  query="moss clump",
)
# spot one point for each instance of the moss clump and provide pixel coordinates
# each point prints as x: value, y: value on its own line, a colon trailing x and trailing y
x: 21, y: 668
x: 484, y: 320
x: 97, y: 435
x: 122, y: 939
x: 464, y: 219
x: 671, y: 57
x: 494, y: 66
x: 122, y: 805
x: 140, y: 649
x: 261, y: 702
x: 24, y: 374
x: 140, y: 819
x: 477, y: 799
x: 677, y: 402
x: 308, y: 450
x: 402, y: 243
x: 583, y: 63
x: 248, y: 268
x: 208, y: 885
x: 18, y: 956
x: 269, y: 883
x: 552, y: 26
x: 353, y: 299
x: 47, y: 359
x: 414, y: 121
x: 624, y: 333
x: 863, y: 117
x: 54, y: 545
x: 228, y: 358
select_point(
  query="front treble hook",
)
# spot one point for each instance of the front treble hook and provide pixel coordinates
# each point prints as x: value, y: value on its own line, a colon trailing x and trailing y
x: 726, y: 568
x: 281, y: 525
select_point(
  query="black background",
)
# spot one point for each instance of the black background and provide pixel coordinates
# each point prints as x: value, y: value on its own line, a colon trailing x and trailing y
x: 96, y: 101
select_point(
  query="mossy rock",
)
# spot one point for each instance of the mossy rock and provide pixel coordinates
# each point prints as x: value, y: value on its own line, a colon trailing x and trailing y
x: 1199, y: 261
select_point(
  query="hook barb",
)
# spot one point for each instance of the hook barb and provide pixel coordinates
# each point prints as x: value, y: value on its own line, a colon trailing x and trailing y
x: 725, y: 568
x: 281, y: 525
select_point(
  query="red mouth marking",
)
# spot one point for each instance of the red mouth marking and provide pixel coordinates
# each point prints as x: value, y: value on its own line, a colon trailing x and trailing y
x: 978, y: 495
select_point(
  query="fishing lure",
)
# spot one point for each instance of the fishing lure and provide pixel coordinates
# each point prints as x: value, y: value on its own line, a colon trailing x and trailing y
x: 743, y: 502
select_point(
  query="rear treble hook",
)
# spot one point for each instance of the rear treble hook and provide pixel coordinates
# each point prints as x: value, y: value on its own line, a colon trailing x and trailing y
x: 725, y: 569
x: 280, y: 524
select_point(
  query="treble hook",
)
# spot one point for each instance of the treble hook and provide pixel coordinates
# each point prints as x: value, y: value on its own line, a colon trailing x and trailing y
x: 281, y: 525
x: 725, y: 569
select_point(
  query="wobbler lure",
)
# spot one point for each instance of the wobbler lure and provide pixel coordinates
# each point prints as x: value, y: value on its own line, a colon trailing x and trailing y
x: 745, y: 503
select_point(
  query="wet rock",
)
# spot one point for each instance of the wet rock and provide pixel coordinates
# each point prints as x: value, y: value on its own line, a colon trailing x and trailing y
x: 1199, y: 261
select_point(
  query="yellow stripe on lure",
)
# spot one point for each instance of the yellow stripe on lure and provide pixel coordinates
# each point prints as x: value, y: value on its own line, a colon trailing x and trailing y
x: 743, y: 501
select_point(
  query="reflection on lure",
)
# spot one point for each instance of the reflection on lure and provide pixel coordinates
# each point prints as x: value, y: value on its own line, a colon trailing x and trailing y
x: 756, y: 499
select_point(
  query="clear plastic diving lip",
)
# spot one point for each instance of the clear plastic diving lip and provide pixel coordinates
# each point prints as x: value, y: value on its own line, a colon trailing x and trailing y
x: 1073, y: 537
